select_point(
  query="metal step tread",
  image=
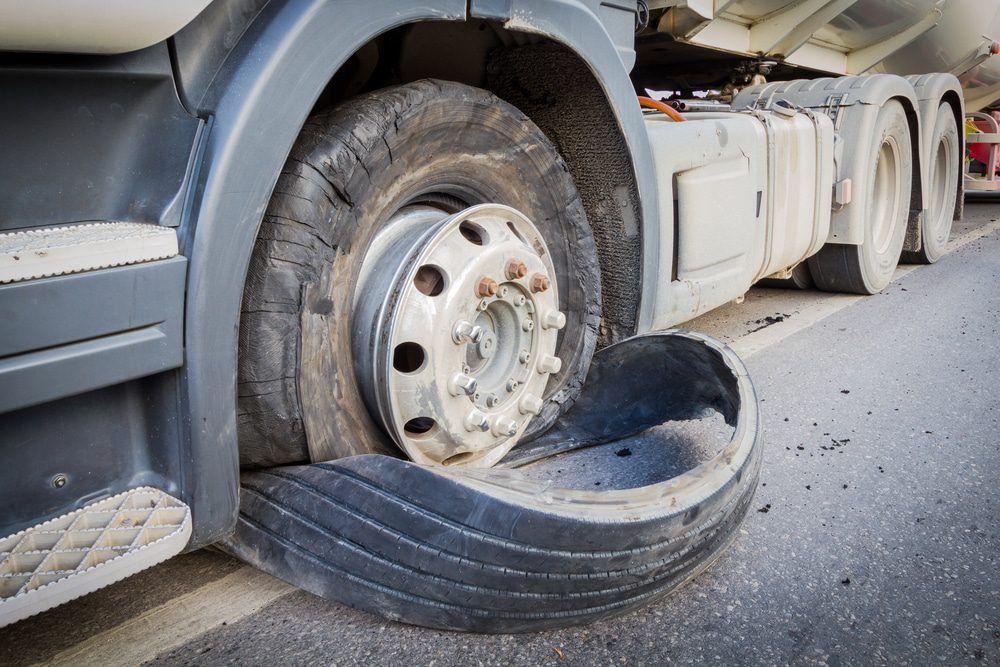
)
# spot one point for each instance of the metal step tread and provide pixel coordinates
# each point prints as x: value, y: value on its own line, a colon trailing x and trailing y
x: 56, y: 251
x: 87, y: 549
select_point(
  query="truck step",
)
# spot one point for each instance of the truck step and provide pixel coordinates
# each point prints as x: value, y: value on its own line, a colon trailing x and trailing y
x: 87, y: 549
x: 56, y: 251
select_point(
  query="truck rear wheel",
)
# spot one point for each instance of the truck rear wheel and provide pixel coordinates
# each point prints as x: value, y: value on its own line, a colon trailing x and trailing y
x: 935, y: 225
x: 868, y: 268
x: 415, y: 154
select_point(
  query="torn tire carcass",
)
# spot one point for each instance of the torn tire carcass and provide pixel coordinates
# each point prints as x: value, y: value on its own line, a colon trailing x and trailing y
x: 508, y: 550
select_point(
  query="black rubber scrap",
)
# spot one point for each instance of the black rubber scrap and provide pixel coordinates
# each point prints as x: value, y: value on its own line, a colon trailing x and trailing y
x: 492, y: 550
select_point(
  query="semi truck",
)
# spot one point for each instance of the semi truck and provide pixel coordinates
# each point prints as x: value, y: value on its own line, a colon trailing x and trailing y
x: 322, y: 282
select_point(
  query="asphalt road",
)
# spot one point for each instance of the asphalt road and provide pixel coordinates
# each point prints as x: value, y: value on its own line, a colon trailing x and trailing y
x: 874, y: 536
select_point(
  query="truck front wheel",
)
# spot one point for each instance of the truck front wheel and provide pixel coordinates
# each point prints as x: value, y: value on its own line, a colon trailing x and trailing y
x: 362, y: 179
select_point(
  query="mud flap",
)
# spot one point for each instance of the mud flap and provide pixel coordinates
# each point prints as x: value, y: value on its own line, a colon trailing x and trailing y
x: 560, y: 534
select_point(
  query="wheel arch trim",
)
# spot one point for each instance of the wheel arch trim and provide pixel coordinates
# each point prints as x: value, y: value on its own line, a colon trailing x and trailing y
x: 257, y: 104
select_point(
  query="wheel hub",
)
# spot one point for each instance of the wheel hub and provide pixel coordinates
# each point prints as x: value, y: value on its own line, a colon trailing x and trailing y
x: 455, y: 331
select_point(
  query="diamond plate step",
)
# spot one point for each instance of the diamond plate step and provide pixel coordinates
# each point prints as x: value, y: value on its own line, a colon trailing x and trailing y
x: 87, y: 549
x: 56, y: 251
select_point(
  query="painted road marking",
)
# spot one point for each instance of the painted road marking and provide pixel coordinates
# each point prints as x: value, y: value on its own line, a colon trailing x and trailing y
x: 827, y: 305
x: 179, y: 621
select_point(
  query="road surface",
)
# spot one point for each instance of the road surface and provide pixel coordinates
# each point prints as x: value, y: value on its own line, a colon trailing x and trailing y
x: 874, y: 536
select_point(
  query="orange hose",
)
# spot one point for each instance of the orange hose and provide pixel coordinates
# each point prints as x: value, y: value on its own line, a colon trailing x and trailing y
x: 650, y: 103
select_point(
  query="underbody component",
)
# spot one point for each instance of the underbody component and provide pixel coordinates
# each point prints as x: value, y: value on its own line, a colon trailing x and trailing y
x: 503, y: 550
x: 456, y: 329
x: 57, y: 251
x: 87, y: 549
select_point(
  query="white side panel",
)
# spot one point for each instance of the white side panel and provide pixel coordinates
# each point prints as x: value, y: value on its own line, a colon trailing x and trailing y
x: 719, y: 164
x: 92, y: 26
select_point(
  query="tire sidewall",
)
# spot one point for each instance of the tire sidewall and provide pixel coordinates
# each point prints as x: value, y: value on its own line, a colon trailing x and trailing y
x: 937, y: 223
x: 394, y: 147
x: 878, y: 267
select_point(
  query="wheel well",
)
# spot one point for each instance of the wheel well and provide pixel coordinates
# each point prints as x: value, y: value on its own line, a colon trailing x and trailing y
x: 952, y: 99
x: 913, y: 240
x: 563, y: 97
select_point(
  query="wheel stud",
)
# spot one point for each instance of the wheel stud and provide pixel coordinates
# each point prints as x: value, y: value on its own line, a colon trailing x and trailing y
x: 530, y: 405
x: 553, y: 319
x: 486, y: 287
x: 504, y: 426
x: 466, y: 332
x: 539, y: 283
x: 549, y: 364
x: 477, y: 421
x: 462, y: 385
x: 515, y: 269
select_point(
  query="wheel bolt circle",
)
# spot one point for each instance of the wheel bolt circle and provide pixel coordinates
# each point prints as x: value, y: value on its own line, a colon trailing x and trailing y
x: 462, y: 385
x: 515, y: 269
x: 549, y: 364
x: 477, y: 421
x: 504, y: 426
x: 530, y: 405
x: 487, y: 287
x: 553, y: 319
x: 539, y: 283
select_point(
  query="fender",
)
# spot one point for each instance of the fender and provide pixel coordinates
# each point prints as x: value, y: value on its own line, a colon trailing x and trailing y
x: 931, y: 90
x: 256, y: 104
x: 576, y: 24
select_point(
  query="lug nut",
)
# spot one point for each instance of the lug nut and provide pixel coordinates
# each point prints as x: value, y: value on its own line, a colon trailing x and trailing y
x: 553, y: 319
x: 466, y: 332
x: 486, y: 287
x: 477, y: 421
x: 462, y: 385
x: 539, y: 283
x: 530, y: 405
x: 549, y: 364
x: 515, y: 269
x: 504, y: 426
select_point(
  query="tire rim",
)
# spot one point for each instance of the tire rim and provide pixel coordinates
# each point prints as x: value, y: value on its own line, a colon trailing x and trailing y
x: 941, y: 170
x: 886, y: 192
x: 455, y: 328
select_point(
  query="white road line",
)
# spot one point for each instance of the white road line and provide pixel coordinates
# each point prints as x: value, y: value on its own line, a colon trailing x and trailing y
x: 179, y: 621
x: 829, y: 304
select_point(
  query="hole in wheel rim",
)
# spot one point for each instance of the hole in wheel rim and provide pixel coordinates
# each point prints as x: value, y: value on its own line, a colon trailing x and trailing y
x: 408, y: 357
x: 457, y: 458
x: 472, y: 233
x: 429, y: 280
x: 420, y: 427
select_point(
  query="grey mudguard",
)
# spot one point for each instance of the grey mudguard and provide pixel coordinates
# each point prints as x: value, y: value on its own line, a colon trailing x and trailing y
x: 853, y: 103
x: 503, y: 551
x: 932, y: 90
